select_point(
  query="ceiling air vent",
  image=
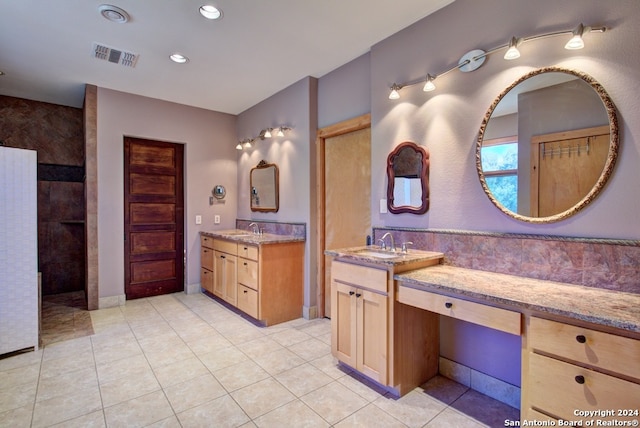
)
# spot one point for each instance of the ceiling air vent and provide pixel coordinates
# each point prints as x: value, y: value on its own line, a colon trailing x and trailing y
x: 116, y: 56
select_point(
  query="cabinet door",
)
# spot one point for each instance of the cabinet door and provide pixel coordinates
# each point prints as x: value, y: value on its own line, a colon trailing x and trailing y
x: 231, y: 279
x: 219, y: 274
x: 206, y: 279
x: 371, y: 334
x: 206, y: 258
x: 343, y: 323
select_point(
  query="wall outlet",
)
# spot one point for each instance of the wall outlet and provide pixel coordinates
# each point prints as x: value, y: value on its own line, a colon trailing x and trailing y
x: 383, y: 206
x: 216, y: 219
x: 198, y: 219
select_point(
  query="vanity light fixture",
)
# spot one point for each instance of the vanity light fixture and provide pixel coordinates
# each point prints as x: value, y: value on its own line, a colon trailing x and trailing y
x: 263, y: 135
x: 513, y: 52
x: 474, y: 59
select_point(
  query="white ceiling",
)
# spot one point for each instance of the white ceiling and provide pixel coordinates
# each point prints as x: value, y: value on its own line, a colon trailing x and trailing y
x: 257, y: 49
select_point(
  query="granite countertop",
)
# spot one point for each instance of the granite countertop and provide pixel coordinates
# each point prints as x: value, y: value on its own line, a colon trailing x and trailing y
x: 609, y: 308
x: 248, y: 237
x: 375, y: 254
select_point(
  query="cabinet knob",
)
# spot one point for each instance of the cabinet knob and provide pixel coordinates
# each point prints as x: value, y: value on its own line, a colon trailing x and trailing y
x: 245, y: 291
x: 245, y: 263
x: 222, y: 257
x: 579, y: 379
x: 581, y: 339
x: 351, y: 293
x: 448, y: 305
x: 358, y: 295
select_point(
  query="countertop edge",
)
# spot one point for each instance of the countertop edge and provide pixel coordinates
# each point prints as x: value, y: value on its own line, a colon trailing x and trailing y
x: 254, y: 239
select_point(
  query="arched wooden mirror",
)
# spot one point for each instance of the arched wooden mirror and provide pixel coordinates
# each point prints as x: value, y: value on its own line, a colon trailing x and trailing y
x: 547, y: 145
x: 408, y: 179
x: 264, y: 182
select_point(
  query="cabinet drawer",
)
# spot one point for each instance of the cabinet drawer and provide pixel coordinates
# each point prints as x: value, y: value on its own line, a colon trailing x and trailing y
x: 248, y: 273
x: 362, y: 276
x: 206, y: 279
x: 206, y: 241
x: 555, y: 389
x: 488, y: 316
x: 248, y: 251
x: 225, y: 246
x: 248, y: 301
x: 607, y: 351
x: 206, y: 258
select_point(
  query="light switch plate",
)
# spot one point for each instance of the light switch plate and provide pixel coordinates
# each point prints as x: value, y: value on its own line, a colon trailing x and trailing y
x: 198, y: 219
x: 216, y: 219
x: 383, y: 206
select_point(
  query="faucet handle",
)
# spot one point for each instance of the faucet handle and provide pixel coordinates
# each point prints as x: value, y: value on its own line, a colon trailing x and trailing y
x: 404, y: 246
x: 382, y: 244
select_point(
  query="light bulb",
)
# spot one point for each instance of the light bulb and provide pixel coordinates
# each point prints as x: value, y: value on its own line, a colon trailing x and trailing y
x: 429, y: 86
x: 267, y: 133
x: 575, y: 43
x: 394, y: 95
x: 280, y: 132
x: 239, y: 146
x: 513, y: 52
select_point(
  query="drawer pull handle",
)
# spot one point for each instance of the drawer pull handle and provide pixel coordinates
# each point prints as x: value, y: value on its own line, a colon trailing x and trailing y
x: 245, y: 263
x: 448, y: 305
x: 245, y: 291
x: 581, y: 339
x: 358, y: 295
x: 222, y: 257
x: 580, y: 379
x: 351, y: 293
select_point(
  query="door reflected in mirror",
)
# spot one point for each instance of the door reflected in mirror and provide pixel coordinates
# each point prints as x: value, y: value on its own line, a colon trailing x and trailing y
x: 264, y: 182
x: 408, y: 179
x: 547, y: 145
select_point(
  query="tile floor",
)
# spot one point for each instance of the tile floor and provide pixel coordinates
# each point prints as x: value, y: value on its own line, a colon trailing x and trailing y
x: 187, y: 361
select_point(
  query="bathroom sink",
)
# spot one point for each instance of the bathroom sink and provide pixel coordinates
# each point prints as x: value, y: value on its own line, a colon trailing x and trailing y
x: 378, y: 254
x: 238, y: 233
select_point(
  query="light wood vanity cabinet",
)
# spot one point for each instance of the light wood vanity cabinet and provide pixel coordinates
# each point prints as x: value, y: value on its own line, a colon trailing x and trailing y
x: 264, y: 281
x: 374, y: 334
x: 568, y: 368
x: 206, y: 263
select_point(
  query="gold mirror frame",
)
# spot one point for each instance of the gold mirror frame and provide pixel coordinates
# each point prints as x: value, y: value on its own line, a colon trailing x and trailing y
x: 267, y: 184
x: 609, y: 164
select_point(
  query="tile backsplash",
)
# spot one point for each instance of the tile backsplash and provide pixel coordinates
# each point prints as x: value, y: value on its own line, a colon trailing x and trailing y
x: 600, y: 263
x: 277, y: 228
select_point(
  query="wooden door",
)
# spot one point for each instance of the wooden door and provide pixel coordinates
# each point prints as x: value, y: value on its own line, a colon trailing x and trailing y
x: 344, y: 212
x: 153, y: 218
x: 565, y: 167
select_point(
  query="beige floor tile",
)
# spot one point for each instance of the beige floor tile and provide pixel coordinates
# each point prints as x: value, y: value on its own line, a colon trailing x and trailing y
x: 170, y: 422
x: 317, y: 327
x: 262, y: 397
x: 370, y: 416
x: 52, y: 368
x: 224, y: 358
x: 310, y: 349
x: 293, y: 414
x: 124, y: 368
x: 224, y: 411
x: 17, y: 396
x: 303, y: 379
x: 260, y: 347
x: 125, y: 389
x: 67, y: 383
x: 329, y: 365
x: 290, y: 337
x: 117, y: 351
x: 21, y: 360
x: 163, y: 357
x: 91, y: 420
x: 206, y: 344
x: 67, y: 348
x: 19, y: 376
x: 451, y: 419
x: 442, y: 389
x: 180, y: 371
x: 484, y: 409
x: 20, y: 417
x: 139, y: 412
x: 334, y: 402
x: 66, y: 407
x: 414, y: 409
x: 362, y: 386
x: 240, y: 375
x: 242, y: 335
x: 194, y: 392
x: 279, y: 361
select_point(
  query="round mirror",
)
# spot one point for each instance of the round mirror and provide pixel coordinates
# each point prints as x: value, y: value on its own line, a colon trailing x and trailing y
x: 547, y: 145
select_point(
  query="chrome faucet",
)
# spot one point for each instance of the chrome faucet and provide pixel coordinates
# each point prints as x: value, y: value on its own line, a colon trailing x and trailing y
x: 405, y: 246
x: 254, y: 226
x: 384, y: 246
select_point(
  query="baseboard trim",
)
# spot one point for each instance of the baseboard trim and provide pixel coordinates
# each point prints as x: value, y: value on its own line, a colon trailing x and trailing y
x: 112, y: 301
x: 309, y: 312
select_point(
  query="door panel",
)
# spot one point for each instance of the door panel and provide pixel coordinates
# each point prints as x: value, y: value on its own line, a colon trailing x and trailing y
x: 154, y: 218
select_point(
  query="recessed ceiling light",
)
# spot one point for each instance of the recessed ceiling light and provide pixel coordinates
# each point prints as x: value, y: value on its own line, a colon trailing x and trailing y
x: 179, y: 58
x: 210, y: 12
x: 113, y: 13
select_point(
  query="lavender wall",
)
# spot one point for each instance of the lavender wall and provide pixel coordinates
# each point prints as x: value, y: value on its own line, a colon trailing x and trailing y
x: 294, y: 154
x: 210, y: 159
